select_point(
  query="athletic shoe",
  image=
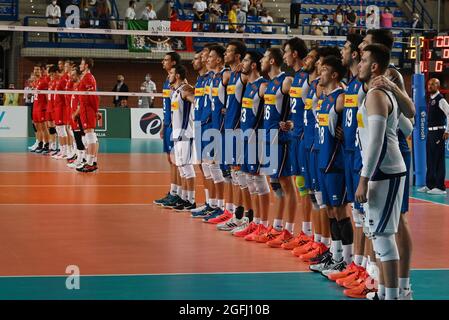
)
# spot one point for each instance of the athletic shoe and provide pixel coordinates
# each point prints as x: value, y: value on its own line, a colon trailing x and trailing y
x: 54, y: 153
x: 423, y: 189
x: 162, y: 200
x: 231, y: 224
x: 372, y: 295
x: 300, y: 240
x: 316, y: 251
x: 81, y: 164
x: 200, y: 208
x: 34, y: 146
x: 261, y: 229
x: 222, y: 218
x: 361, y: 277
x: 39, y: 149
x: 359, y: 292
x: 245, y: 224
x: 45, y: 150
x: 352, y: 276
x: 298, y: 251
x: 349, y: 270
x: 88, y: 168
x: 176, y: 200
x: 284, y: 237
x: 250, y: 228
x: 271, y: 234
x: 72, y: 159
x: 320, y: 258
x: 436, y: 191
x: 324, y: 263
x: 406, y: 294
x: 216, y: 213
x: 191, y: 207
x: 204, y: 213
x: 182, y: 205
x: 335, y: 267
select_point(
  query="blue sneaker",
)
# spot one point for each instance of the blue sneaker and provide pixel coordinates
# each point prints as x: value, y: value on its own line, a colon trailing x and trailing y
x: 217, y: 212
x: 203, y: 213
x: 176, y: 200
x: 159, y: 202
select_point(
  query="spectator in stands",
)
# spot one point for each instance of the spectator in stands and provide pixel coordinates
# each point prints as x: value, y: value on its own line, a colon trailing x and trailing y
x: 244, y: 7
x: 416, y: 22
x: 226, y: 5
x: 148, y: 86
x: 386, y: 19
x: 11, y: 99
x: 259, y: 7
x: 351, y: 19
x: 295, y: 10
x: 53, y: 14
x: 266, y: 20
x: 232, y: 18
x: 148, y: 13
x: 316, y: 28
x: 215, y: 12
x: 325, y: 23
x: 241, y: 19
x: 104, y: 14
x: 252, y: 11
x: 124, y: 103
x: 339, y: 20
x: 131, y: 12
x: 199, y: 10
x: 120, y: 87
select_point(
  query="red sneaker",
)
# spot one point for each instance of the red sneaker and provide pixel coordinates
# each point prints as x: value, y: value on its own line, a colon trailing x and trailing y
x: 317, y: 249
x: 350, y: 269
x: 261, y: 229
x: 351, y: 277
x: 284, y: 237
x: 361, y: 278
x: 221, y: 218
x: 298, y: 241
x: 304, y: 248
x: 248, y: 230
x: 358, y: 292
x: 271, y: 234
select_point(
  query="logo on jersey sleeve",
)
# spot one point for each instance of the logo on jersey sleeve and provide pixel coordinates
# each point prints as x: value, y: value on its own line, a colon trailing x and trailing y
x: 351, y: 101
x: 270, y: 99
x: 323, y: 120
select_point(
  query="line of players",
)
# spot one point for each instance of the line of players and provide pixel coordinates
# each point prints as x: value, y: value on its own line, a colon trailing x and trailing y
x: 66, y: 120
x: 342, y: 140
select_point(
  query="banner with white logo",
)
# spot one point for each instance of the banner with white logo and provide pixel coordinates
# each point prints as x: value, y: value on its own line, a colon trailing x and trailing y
x: 146, y: 123
x: 13, y: 122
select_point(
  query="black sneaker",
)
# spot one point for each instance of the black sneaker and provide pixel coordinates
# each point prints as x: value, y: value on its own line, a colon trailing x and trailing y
x: 173, y: 203
x: 335, y: 266
x: 72, y: 159
x: 190, y: 207
x: 46, y: 149
x: 324, y: 263
x: 182, y: 205
x: 162, y: 200
x: 321, y: 258
x: 39, y: 150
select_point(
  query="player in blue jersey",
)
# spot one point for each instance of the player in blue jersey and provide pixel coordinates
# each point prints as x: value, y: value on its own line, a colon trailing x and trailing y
x: 170, y: 60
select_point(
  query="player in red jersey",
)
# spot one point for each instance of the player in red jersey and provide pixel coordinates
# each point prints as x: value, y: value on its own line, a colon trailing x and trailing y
x: 39, y: 108
x: 88, y: 114
x: 49, y: 110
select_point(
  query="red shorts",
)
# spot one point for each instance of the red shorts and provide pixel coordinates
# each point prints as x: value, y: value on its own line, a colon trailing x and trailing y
x: 88, y: 117
x: 49, y: 115
x: 38, y: 114
x: 75, y: 124
x: 67, y: 115
x: 58, y: 116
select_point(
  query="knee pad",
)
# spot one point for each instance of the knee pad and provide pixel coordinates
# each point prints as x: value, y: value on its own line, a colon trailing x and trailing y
x: 358, y: 218
x: 62, y: 132
x: 385, y: 247
x: 189, y: 171
x: 262, y: 186
x: 91, y: 138
x: 181, y: 172
x: 277, y: 188
x: 52, y: 130
x: 206, y: 170
x: 300, y: 184
x: 217, y: 174
x: 242, y: 180
x: 250, y: 180
x: 234, y: 178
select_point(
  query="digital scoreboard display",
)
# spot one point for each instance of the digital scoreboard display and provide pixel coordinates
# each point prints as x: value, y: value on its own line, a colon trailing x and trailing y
x: 434, y: 53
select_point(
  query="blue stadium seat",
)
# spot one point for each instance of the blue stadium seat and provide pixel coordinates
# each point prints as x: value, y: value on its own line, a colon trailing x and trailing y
x: 396, y: 24
x: 381, y: 3
x: 304, y: 10
x: 306, y: 21
x: 398, y: 13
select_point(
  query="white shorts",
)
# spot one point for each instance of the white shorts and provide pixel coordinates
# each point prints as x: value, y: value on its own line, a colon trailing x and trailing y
x: 383, y: 208
x: 183, y: 153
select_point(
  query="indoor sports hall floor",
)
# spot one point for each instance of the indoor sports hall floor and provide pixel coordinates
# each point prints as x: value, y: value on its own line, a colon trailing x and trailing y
x: 127, y: 248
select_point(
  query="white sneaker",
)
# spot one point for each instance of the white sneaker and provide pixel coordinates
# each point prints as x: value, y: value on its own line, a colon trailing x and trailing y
x: 436, y: 191
x: 243, y: 226
x: 373, y: 296
x: 406, y: 295
x: 198, y: 209
x: 34, y: 146
x: 80, y: 165
x: 423, y: 189
x: 230, y: 224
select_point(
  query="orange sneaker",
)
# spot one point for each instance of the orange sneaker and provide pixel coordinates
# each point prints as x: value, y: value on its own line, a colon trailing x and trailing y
x: 271, y: 234
x: 303, y: 249
x: 248, y: 230
x: 350, y: 269
x: 298, y: 241
x: 351, y: 277
x: 318, y: 249
x: 358, y: 292
x: 361, y: 278
x: 261, y: 229
x: 221, y: 218
x: 284, y: 237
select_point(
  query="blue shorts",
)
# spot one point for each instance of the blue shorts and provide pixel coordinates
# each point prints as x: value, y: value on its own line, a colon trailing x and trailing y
x: 281, y: 167
x: 305, y: 168
x: 333, y: 188
x: 355, y: 180
x: 294, y: 151
x: 405, y: 199
x: 250, y: 162
x: 167, y: 141
x: 314, y: 176
x: 349, y: 173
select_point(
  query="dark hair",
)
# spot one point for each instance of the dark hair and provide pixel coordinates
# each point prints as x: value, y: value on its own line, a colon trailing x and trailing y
x: 174, y: 56
x: 210, y: 45
x: 220, y: 50
x: 77, y: 71
x: 329, y: 51
x: 336, y: 64
x: 276, y: 54
x: 131, y: 3
x: 382, y: 36
x: 88, y: 61
x: 53, y: 69
x: 240, y: 47
x: 298, y: 45
x: 38, y: 65
x: 255, y: 58
x: 355, y: 40
x: 380, y: 54
x: 181, y: 70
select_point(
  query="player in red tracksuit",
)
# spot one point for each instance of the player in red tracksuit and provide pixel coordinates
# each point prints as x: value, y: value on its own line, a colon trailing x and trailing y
x: 39, y: 110
x: 88, y: 114
x: 49, y: 110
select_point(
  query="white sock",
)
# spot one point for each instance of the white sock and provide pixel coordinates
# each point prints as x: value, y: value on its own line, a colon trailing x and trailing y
x: 289, y: 227
x: 337, y: 253
x: 316, y: 237
x: 206, y: 191
x: 404, y: 284
x: 265, y: 223
x: 213, y: 203
x: 391, y: 293
x: 364, y: 262
x: 173, y: 189
x: 347, y: 253
x: 326, y: 241
x: 256, y: 220
x: 184, y: 194
x: 307, y: 228
x: 277, y: 224
x: 230, y: 207
x: 191, y: 196
x: 381, y: 292
x: 179, y: 190
x: 90, y: 159
x: 221, y: 203
x: 358, y: 259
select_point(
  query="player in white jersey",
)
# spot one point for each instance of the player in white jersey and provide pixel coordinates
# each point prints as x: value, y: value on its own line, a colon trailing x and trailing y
x: 382, y: 179
x: 182, y: 99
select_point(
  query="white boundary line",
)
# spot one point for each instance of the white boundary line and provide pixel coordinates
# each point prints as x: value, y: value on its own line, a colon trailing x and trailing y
x: 442, y: 204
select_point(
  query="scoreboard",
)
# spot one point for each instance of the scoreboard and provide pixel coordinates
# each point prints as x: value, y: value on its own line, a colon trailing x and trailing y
x: 434, y: 53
